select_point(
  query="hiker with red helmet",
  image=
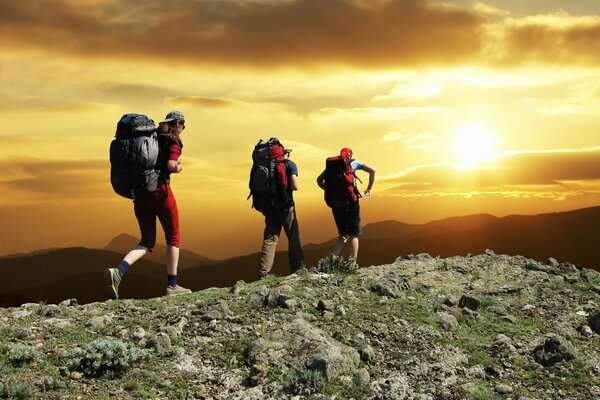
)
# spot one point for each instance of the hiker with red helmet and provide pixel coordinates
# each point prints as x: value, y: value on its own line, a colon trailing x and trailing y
x: 341, y: 194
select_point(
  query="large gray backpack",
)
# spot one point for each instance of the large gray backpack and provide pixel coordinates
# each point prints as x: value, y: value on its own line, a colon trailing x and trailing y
x: 133, y: 157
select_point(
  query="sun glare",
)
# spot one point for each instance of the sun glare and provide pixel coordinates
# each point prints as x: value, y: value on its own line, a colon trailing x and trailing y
x: 473, y: 144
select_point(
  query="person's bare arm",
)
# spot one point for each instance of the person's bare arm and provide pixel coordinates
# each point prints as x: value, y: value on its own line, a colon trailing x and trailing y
x: 294, y: 182
x: 321, y: 181
x: 174, y: 166
x: 371, y: 173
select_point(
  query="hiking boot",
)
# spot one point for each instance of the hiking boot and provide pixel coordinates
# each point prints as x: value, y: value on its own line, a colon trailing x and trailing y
x: 112, y: 279
x: 173, y: 290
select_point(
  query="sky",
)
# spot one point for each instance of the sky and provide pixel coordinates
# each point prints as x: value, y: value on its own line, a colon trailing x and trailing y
x: 461, y: 107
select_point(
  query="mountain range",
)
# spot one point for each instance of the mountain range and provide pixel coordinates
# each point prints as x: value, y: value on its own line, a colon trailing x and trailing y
x: 53, y: 275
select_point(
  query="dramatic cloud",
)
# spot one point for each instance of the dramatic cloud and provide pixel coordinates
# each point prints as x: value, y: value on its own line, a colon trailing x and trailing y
x: 298, y: 32
x: 368, y: 34
x: 558, y: 38
x: 524, y: 171
x: 201, y: 101
x: 57, y: 178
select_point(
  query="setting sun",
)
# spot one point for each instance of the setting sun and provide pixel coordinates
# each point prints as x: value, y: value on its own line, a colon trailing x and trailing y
x: 473, y: 144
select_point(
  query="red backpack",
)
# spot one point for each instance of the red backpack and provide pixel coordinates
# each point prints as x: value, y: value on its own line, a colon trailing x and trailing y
x: 340, y: 189
x: 268, y: 177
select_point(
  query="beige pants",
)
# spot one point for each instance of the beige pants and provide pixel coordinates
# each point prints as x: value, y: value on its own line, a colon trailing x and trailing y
x: 273, y: 224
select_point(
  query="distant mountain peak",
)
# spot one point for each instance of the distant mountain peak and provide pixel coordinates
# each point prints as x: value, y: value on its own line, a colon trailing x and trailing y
x: 122, y: 242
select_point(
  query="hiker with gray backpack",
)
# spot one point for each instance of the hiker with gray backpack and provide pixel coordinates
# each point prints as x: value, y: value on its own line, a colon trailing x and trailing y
x: 273, y: 179
x: 142, y: 159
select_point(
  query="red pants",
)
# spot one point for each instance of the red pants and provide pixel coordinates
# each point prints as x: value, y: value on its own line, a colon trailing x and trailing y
x: 161, y: 203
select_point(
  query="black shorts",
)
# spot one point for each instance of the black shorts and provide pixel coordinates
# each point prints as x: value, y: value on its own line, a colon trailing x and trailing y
x: 347, y: 220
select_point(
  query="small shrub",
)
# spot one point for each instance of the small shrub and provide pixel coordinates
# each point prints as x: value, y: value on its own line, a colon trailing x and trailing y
x: 49, y: 383
x: 17, y: 391
x: 102, y: 356
x: 131, y: 386
x: 305, y: 381
x: 489, y: 302
x: 19, y: 354
x: 43, y: 310
x: 333, y: 263
x: 483, y: 394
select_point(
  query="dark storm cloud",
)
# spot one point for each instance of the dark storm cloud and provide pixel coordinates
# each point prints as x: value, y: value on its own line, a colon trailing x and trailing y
x: 257, y: 33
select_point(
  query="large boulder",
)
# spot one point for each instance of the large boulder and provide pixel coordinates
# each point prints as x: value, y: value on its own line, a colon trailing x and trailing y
x: 302, y: 345
x: 554, y: 350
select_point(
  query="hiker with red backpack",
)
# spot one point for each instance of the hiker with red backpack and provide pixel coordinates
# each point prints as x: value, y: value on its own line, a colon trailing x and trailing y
x: 273, y: 179
x: 142, y: 161
x: 341, y: 194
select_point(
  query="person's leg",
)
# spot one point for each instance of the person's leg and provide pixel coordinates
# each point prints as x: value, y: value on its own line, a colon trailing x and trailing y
x: 354, y: 247
x: 172, y: 260
x: 295, y: 254
x: 339, y: 245
x: 168, y: 215
x: 270, y: 240
x: 339, y: 216
x: 354, y: 229
x: 134, y: 255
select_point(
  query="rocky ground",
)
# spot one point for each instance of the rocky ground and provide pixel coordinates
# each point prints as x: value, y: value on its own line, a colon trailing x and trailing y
x: 476, y: 327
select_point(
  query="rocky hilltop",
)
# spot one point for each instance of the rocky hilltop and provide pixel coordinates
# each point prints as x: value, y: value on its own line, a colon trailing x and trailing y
x: 476, y: 327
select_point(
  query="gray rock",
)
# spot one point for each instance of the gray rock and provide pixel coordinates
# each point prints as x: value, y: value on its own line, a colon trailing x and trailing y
x: 161, y: 343
x: 451, y: 301
x: 469, y: 302
x: 138, y: 333
x: 555, y: 349
x: 58, y: 323
x: 391, y: 286
x: 237, y: 288
x: 367, y: 354
x: 503, y: 389
x: 69, y: 303
x: 211, y: 316
x: 509, y: 319
x: 272, y: 299
x: 585, y: 331
x: 535, y: 266
x: 20, y: 314
x: 99, y: 323
x: 325, y: 305
x: 287, y: 302
x: 448, y: 322
x: 303, y: 345
x: 552, y: 262
x: 362, y: 376
x: 588, y: 274
x: 255, y: 300
x: 257, y: 374
x: 594, y: 321
x: 489, y: 252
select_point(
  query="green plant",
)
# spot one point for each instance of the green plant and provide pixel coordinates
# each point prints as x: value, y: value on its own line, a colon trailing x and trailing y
x: 333, y: 263
x: 48, y: 383
x: 102, y: 356
x: 42, y: 309
x: 17, y: 391
x: 483, y: 394
x: 488, y: 302
x: 19, y: 354
x: 304, y: 381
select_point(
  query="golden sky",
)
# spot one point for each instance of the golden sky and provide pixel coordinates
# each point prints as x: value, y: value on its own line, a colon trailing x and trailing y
x: 461, y: 107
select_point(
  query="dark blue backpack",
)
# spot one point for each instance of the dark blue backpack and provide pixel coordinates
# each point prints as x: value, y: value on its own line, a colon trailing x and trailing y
x: 133, y: 157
